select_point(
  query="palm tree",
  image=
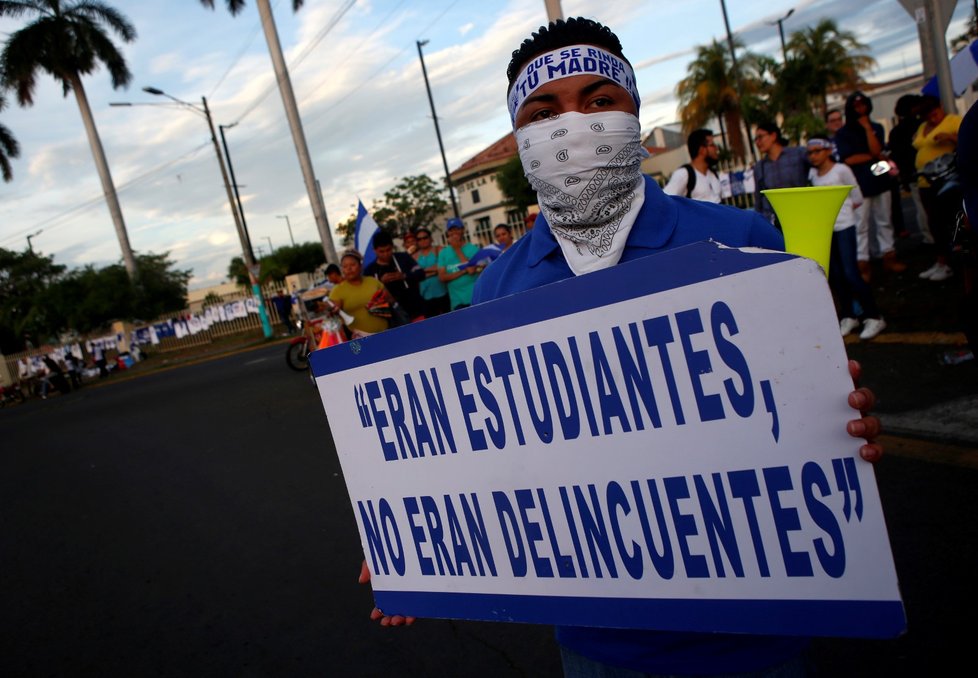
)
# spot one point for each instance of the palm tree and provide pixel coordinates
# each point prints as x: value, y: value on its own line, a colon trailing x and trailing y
x: 67, y: 39
x: 711, y: 89
x: 8, y: 149
x: 292, y: 113
x: 827, y: 57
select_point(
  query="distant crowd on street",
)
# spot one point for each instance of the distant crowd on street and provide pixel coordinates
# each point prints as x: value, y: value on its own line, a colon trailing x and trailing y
x: 918, y: 159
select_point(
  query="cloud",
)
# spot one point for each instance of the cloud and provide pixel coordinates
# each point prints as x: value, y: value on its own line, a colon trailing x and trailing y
x: 462, y: 30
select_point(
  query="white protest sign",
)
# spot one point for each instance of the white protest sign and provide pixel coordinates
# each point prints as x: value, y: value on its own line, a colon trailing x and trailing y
x: 657, y: 445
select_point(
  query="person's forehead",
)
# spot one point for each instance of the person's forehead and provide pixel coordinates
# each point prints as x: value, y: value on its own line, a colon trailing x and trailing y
x: 573, y: 84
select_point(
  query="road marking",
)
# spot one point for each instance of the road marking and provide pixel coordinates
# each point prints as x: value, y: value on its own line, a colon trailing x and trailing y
x: 925, y: 450
x: 252, y: 362
x: 932, y: 338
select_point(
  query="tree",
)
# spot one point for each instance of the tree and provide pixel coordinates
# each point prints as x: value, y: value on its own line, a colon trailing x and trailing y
x: 67, y: 39
x: 414, y: 202
x: 40, y: 297
x: 288, y: 260
x: 23, y: 278
x: 711, y: 89
x: 291, y: 112
x: 512, y: 181
x: 8, y: 148
x: 826, y: 57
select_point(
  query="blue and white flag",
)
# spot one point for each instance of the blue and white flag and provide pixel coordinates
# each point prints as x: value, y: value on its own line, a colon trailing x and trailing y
x: 363, y: 236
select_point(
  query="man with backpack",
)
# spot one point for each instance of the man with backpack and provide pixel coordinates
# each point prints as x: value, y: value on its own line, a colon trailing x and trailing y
x: 698, y: 179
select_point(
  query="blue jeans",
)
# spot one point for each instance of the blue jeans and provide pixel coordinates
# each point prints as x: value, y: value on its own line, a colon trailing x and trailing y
x: 844, y: 278
x: 577, y: 666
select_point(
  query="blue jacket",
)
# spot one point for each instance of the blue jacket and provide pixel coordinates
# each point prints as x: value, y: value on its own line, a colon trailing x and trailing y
x: 663, y: 223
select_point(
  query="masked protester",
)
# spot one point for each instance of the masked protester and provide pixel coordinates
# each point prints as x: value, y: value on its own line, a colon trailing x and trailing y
x: 579, y: 141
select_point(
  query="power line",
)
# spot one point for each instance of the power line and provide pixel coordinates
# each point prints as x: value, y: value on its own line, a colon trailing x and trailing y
x: 81, y: 207
x: 334, y: 20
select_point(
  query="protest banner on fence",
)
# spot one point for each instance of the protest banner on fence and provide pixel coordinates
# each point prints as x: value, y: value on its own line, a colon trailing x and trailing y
x: 657, y: 445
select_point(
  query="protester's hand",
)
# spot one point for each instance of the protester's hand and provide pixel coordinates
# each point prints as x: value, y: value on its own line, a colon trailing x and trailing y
x: 375, y: 614
x: 867, y: 426
x: 393, y: 276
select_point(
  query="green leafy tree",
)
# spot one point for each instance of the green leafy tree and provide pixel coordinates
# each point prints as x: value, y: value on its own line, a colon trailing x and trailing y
x: 347, y: 229
x: 67, y: 39
x: 414, y: 202
x: 288, y: 260
x: 40, y: 297
x: 24, y: 276
x: 8, y: 148
x: 712, y: 89
x: 512, y: 181
x: 825, y: 57
x: 238, y: 272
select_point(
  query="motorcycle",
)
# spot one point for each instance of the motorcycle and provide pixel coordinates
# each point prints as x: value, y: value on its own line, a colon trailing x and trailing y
x: 320, y: 325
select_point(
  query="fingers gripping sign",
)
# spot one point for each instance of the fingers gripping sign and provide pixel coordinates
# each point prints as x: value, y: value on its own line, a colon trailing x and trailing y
x: 867, y: 426
x: 376, y: 613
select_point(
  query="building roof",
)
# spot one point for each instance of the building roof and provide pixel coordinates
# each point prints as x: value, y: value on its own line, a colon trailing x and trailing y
x: 504, y: 149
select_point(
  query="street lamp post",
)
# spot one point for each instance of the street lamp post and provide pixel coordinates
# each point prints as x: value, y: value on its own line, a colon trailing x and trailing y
x: 289, y: 224
x: 736, y: 70
x: 242, y: 234
x: 434, y: 116
x: 271, y: 248
x: 33, y: 235
x: 234, y: 186
x: 780, y: 25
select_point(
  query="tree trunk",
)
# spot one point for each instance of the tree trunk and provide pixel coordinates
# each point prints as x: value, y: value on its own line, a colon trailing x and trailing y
x: 735, y: 138
x: 295, y: 124
x: 102, y: 165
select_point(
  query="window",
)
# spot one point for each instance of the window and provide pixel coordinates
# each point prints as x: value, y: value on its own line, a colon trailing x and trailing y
x: 483, y: 230
x: 475, y: 197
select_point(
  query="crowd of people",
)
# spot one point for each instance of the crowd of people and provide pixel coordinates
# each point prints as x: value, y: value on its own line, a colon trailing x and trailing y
x: 420, y: 280
x: 917, y: 160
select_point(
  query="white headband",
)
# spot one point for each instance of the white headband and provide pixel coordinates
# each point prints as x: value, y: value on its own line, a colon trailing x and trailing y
x: 565, y: 62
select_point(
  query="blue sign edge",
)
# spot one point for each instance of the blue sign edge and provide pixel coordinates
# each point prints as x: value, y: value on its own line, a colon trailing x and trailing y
x: 830, y: 618
x: 659, y: 272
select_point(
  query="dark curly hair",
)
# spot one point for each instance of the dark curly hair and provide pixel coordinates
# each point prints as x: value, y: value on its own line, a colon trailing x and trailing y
x: 561, y: 33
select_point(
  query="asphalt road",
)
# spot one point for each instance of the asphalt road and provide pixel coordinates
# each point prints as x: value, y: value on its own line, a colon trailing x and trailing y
x: 195, y: 522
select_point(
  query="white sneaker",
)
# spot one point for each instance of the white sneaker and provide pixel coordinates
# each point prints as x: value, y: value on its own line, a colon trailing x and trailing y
x: 872, y: 327
x: 942, y: 273
x: 847, y: 325
x: 929, y: 272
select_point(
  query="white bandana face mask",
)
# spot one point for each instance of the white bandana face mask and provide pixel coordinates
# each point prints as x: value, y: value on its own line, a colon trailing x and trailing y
x: 586, y: 170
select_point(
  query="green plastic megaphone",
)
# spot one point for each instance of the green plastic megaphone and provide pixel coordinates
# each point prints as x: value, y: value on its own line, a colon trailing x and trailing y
x: 807, y: 215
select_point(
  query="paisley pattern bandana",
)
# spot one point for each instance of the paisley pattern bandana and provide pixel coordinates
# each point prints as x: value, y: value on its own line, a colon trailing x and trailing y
x: 586, y: 170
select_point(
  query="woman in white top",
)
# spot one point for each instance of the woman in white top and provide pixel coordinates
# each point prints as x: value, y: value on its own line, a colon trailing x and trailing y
x: 844, y: 277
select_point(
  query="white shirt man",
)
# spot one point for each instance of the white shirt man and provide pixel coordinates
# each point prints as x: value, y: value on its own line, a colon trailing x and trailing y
x: 698, y: 180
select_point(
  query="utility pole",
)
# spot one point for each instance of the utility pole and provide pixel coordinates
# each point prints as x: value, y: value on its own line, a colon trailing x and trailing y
x: 33, y: 235
x: 780, y: 24
x: 246, y: 251
x: 434, y: 116
x: 289, y: 224
x: 237, y: 193
x: 295, y: 125
x: 736, y: 70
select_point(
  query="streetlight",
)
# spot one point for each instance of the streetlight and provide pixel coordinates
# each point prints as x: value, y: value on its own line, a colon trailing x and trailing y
x: 271, y: 248
x: 33, y: 235
x: 780, y: 25
x: 434, y: 116
x: 287, y: 223
x: 242, y: 234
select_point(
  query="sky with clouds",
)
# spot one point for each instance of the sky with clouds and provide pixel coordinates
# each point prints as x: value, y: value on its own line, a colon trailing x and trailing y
x: 357, y: 79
